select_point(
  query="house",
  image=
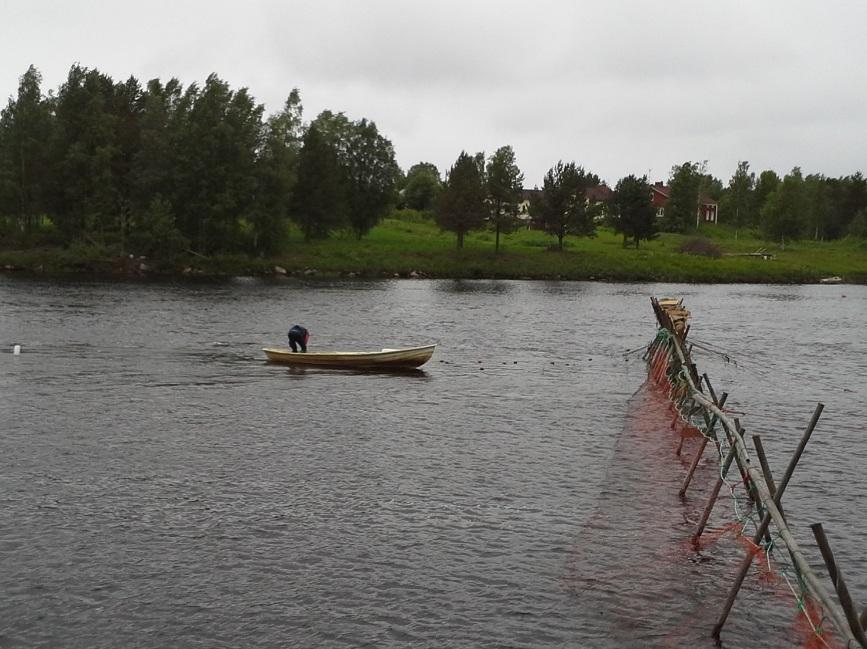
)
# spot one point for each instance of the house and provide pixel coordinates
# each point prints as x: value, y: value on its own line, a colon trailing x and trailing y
x: 599, y: 195
x: 660, y: 194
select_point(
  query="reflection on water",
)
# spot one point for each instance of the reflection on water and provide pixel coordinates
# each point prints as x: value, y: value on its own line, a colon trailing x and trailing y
x: 397, y: 372
x: 558, y: 288
x: 161, y: 484
x: 783, y: 297
x: 482, y: 286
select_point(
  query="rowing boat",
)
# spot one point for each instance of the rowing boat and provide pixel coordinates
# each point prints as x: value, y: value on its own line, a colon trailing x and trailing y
x: 389, y: 358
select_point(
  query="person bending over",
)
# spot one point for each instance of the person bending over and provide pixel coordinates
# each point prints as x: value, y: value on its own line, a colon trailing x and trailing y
x: 298, y: 337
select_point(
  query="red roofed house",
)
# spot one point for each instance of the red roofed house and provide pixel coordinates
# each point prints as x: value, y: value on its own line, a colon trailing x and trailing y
x: 660, y: 194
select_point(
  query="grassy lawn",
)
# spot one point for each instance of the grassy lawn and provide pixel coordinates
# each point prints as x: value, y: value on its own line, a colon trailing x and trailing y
x: 401, y: 247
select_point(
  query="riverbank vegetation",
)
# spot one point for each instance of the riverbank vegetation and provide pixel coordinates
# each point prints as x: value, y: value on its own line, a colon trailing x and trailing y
x: 410, y: 244
x: 120, y: 177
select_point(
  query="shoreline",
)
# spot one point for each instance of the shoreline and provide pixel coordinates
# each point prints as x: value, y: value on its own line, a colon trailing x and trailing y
x: 313, y: 274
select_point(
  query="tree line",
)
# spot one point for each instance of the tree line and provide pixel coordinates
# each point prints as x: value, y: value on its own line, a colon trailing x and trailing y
x: 794, y: 207
x: 789, y: 208
x: 159, y: 168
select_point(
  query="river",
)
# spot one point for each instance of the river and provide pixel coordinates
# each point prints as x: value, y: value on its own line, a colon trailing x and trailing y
x: 161, y: 485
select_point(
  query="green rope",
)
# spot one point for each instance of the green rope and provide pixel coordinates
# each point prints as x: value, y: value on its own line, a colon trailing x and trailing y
x: 701, y: 418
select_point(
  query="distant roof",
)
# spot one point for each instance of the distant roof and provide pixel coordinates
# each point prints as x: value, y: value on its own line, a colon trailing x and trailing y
x: 665, y: 190
x: 600, y: 193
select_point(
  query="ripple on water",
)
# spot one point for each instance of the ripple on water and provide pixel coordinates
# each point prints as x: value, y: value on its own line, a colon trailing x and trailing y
x: 160, y: 490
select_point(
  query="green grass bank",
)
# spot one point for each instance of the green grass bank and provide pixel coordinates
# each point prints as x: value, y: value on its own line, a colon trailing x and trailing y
x: 415, y: 247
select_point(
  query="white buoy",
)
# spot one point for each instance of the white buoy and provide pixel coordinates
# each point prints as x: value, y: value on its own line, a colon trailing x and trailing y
x: 16, y: 349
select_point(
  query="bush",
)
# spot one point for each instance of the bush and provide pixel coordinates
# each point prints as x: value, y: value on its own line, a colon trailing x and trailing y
x: 701, y: 247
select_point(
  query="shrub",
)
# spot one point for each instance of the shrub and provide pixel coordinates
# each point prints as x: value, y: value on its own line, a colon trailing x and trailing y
x: 702, y: 247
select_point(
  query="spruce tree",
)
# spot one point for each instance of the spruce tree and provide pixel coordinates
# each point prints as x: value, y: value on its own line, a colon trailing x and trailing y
x: 461, y: 205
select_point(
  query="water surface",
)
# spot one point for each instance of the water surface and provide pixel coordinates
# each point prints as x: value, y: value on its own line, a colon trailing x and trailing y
x: 161, y: 485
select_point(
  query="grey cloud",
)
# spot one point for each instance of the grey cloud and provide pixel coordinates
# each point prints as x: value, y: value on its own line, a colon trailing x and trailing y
x: 620, y: 86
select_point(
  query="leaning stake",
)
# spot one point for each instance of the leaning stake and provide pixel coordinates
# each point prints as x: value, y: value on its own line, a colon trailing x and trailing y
x: 766, y: 519
x: 713, y: 494
x: 839, y: 584
x: 700, y: 452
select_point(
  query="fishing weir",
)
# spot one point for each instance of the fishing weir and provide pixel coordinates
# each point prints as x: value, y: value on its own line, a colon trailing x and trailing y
x: 695, y: 402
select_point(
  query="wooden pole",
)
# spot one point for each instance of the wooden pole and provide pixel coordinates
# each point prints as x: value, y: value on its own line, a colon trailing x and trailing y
x: 698, y: 455
x: 710, y: 389
x: 692, y: 467
x: 766, y: 469
x: 813, y: 585
x: 745, y: 476
x: 766, y: 519
x: 839, y: 584
x: 769, y: 479
x: 763, y: 461
x: 694, y: 373
x: 713, y: 494
x: 798, y: 452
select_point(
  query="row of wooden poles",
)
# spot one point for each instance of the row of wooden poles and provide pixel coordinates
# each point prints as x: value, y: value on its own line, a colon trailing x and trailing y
x: 670, y: 364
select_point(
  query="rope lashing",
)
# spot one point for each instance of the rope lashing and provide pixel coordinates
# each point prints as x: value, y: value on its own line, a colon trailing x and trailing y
x: 670, y: 362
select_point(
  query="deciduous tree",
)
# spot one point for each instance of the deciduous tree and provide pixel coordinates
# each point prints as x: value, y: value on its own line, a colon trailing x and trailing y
x: 783, y: 216
x: 422, y: 186
x: 368, y: 169
x: 25, y: 129
x: 737, y: 203
x: 766, y: 185
x: 225, y: 134
x: 816, y: 206
x: 371, y: 175
x: 318, y: 202
x: 847, y: 197
x: 685, y: 183
x: 277, y: 167
x: 83, y: 197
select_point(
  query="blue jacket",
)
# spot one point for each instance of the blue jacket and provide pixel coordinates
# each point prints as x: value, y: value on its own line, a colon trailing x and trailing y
x: 297, y: 331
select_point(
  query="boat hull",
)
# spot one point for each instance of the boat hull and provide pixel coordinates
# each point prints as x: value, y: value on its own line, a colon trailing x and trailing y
x: 410, y: 357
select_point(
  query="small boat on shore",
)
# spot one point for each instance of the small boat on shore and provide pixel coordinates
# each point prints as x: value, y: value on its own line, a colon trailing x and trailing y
x: 409, y: 357
x: 831, y: 280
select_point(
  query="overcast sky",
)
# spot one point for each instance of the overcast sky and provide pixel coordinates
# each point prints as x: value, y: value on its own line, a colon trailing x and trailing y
x: 618, y: 86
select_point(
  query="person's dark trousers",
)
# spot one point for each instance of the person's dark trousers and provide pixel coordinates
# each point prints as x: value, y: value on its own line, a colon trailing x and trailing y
x: 297, y: 341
